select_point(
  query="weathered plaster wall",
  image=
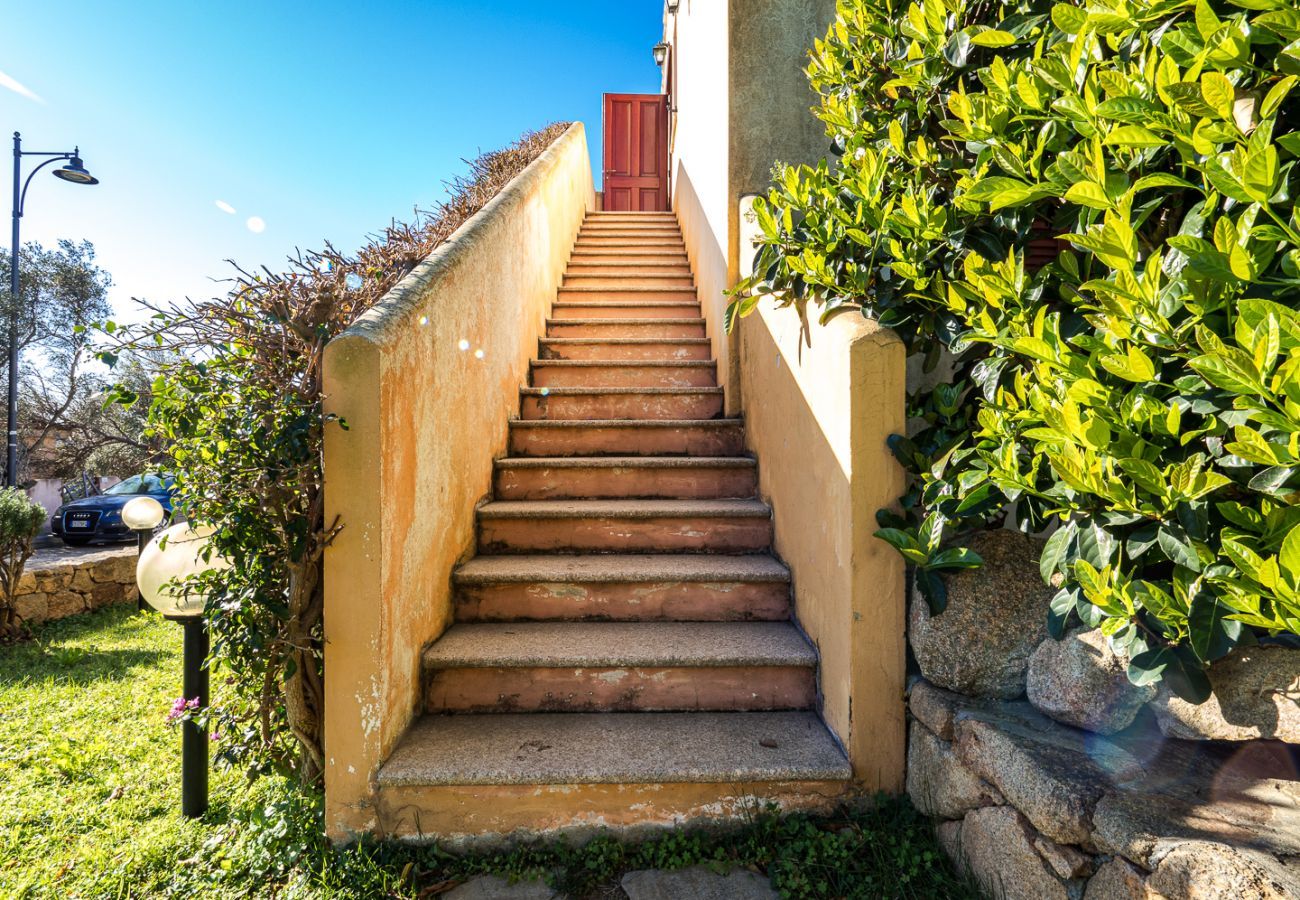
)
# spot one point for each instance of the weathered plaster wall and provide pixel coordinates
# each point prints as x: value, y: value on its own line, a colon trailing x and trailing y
x: 817, y: 419
x: 740, y: 103
x: 56, y: 584
x: 425, y: 419
x: 699, y: 162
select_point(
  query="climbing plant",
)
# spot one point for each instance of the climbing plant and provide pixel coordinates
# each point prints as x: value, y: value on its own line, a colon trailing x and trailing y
x: 237, y: 407
x: 1081, y: 218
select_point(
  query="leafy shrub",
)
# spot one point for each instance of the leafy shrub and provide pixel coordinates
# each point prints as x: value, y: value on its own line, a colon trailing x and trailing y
x: 1138, y: 392
x: 20, y: 521
x: 238, y: 408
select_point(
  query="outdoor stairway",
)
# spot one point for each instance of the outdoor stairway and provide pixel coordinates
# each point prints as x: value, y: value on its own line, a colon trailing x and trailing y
x: 623, y: 650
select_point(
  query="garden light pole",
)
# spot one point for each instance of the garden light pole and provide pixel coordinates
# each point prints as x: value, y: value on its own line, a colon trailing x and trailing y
x: 142, y: 515
x: 177, y: 554
x: 75, y: 172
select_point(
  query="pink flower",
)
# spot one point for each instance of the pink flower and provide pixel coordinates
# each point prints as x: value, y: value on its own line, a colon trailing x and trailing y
x: 180, y: 707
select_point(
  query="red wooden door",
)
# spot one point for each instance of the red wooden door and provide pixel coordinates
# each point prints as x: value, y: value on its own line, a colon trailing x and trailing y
x: 636, y: 152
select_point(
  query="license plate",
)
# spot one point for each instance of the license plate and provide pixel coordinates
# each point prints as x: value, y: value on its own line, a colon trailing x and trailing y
x: 76, y: 524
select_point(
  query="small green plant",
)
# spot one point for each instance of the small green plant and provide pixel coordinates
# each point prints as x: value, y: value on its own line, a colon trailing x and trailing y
x: 1136, y: 391
x: 20, y: 521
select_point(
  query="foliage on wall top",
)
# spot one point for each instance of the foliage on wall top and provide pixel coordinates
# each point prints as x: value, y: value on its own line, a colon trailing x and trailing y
x: 1136, y: 394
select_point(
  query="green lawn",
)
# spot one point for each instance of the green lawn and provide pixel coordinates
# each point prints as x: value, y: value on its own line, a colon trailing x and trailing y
x: 90, y: 795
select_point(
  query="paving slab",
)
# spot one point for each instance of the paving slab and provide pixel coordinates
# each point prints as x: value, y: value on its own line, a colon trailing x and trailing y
x: 490, y: 887
x: 697, y: 883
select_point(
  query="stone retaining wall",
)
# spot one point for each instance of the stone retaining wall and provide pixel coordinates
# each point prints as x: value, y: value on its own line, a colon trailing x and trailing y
x: 59, y: 583
x: 1052, y: 776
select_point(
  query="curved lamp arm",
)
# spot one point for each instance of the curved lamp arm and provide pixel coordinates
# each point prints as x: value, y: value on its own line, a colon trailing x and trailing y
x: 22, y: 199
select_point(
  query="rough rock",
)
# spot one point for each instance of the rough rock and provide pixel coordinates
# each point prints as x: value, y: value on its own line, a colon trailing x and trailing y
x: 490, y: 887
x: 938, y: 783
x: 26, y: 583
x: 66, y: 603
x: 698, y: 883
x: 106, y: 594
x: 1081, y: 681
x: 1256, y: 694
x: 1067, y: 862
x: 1053, y: 774
x: 33, y: 608
x: 1199, y: 870
x: 936, y: 708
x: 996, y: 617
x: 1119, y: 879
x: 997, y: 849
x: 949, y: 837
x: 1261, y: 814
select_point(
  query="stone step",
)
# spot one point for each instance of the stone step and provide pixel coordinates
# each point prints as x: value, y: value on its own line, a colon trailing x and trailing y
x: 460, y: 777
x: 619, y: 667
x: 624, y: 242
x: 714, y: 437
x: 624, y: 526
x: 628, y: 267
x: 679, y: 588
x: 628, y: 293
x: 622, y: 282
x: 614, y: 477
x: 660, y: 328
x: 603, y: 403
x: 638, y: 373
x: 637, y: 255
x: 624, y: 348
x: 640, y: 309
x: 629, y: 229
x: 604, y: 215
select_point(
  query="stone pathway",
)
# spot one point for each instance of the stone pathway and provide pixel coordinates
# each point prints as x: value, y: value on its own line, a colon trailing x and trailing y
x: 696, y: 883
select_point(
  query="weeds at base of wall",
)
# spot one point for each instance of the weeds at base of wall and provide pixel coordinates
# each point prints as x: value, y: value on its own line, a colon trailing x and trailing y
x: 885, y: 849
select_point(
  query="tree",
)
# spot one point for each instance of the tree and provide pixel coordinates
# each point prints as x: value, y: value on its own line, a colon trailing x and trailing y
x: 64, y: 425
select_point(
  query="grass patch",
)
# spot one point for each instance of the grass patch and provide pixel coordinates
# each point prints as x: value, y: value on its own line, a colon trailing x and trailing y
x: 90, y: 796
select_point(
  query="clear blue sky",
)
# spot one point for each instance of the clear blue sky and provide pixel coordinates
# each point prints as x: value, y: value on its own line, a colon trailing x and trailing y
x: 325, y: 120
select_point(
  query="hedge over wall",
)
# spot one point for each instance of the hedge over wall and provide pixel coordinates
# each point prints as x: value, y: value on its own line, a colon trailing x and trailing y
x: 1084, y: 213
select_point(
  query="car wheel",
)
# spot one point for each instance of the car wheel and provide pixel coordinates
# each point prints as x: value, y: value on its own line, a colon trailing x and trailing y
x: 76, y: 541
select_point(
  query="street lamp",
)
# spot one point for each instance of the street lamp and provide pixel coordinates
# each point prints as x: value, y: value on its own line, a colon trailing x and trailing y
x: 75, y: 172
x: 142, y: 515
x: 660, y: 53
x: 178, y: 553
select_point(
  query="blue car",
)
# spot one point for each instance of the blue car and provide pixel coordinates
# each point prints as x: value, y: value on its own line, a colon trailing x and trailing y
x: 100, y: 517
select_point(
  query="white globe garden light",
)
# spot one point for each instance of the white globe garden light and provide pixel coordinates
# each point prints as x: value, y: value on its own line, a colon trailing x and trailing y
x: 143, y: 514
x: 178, y: 553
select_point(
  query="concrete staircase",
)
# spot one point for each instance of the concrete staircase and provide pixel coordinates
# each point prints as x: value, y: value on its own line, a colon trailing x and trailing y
x: 623, y: 651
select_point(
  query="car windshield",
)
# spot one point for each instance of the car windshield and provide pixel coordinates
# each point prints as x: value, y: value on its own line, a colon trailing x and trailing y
x: 138, y: 484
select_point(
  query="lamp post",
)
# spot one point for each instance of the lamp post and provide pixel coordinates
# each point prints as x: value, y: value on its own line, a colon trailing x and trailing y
x: 76, y: 173
x: 178, y: 553
x: 142, y: 515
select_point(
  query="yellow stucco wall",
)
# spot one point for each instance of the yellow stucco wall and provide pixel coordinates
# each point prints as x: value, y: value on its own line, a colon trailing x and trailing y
x: 425, y: 419
x: 819, y: 409
x: 816, y: 417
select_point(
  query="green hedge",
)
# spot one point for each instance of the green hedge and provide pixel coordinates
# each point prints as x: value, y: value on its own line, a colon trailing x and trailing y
x: 1086, y: 212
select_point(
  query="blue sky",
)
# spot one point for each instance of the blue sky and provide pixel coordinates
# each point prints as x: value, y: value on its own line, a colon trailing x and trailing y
x: 324, y: 120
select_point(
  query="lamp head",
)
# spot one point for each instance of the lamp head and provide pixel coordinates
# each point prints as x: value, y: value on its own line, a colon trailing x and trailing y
x: 75, y: 171
x: 143, y: 514
x: 177, y: 553
x: 672, y: 6
x: 660, y: 52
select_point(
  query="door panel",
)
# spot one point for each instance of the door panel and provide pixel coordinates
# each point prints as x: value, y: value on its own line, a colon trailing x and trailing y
x: 636, y: 152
